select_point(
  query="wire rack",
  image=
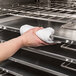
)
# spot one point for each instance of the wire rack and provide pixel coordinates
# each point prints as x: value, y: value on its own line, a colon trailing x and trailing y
x: 50, y: 10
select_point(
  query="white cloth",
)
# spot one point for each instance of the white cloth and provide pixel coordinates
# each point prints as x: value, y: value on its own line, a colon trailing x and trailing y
x: 45, y: 34
x: 25, y: 28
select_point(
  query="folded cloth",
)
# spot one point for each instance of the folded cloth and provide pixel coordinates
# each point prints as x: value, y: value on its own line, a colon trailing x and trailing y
x: 25, y: 28
x: 45, y: 34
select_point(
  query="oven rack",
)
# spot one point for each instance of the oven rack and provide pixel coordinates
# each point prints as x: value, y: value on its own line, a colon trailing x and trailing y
x: 13, y: 23
x: 17, y: 22
x: 61, y: 54
x: 39, y: 61
x: 39, y: 16
x: 48, y: 14
x: 20, y: 60
x: 19, y: 69
x: 3, y: 73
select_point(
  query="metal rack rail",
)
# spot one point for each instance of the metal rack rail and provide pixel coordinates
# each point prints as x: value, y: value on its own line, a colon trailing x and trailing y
x: 61, y: 54
x: 44, y: 13
x: 56, y: 60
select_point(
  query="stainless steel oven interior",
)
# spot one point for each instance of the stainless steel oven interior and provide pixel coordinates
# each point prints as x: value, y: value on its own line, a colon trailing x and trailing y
x: 51, y: 60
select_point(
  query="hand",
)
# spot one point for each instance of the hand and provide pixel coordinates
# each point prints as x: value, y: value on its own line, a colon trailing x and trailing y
x: 29, y: 38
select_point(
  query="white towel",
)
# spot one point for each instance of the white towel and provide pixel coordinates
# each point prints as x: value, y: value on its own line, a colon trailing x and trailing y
x: 25, y: 28
x: 45, y: 34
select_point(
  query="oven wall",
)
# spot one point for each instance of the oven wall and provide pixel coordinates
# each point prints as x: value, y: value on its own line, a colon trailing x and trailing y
x: 63, y: 1
x: 6, y: 2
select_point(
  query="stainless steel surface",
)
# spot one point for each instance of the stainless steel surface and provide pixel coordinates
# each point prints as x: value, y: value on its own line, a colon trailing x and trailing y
x: 50, y: 71
x: 36, y: 62
x: 64, y: 46
x: 8, y: 18
x: 66, y: 34
x: 70, y: 26
x: 7, y: 35
x: 21, y: 70
x: 48, y: 60
x: 52, y: 16
x: 68, y: 66
x: 4, y: 73
x: 53, y: 51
